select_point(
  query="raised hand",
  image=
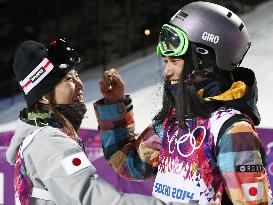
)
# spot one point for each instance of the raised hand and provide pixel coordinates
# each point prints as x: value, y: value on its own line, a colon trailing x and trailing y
x: 112, y: 86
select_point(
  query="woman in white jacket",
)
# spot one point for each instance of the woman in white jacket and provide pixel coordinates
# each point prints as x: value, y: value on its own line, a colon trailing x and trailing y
x: 51, y: 166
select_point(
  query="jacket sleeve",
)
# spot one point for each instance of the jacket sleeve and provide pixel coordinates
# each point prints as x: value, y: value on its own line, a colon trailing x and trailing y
x: 241, y: 159
x: 133, y: 157
x: 61, y: 166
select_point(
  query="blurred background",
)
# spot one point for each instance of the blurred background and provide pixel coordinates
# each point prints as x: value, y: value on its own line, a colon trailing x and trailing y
x: 121, y: 34
x: 101, y: 30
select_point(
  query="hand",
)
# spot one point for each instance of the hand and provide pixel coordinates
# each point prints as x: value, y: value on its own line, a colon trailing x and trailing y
x: 112, y: 86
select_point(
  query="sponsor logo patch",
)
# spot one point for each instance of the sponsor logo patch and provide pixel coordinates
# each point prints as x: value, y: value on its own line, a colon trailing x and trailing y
x: 249, y: 168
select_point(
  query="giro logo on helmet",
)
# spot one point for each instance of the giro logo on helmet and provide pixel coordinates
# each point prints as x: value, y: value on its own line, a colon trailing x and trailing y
x: 206, y: 36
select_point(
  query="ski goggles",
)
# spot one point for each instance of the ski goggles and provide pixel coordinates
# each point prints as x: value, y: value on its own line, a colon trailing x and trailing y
x: 172, y: 41
x: 60, y: 58
x: 62, y: 55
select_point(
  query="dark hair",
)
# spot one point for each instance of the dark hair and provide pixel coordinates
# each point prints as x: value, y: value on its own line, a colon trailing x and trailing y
x: 167, y: 105
x: 39, y: 107
x: 187, y: 102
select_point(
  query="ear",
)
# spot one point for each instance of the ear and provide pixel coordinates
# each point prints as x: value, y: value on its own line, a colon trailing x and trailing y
x: 45, y: 99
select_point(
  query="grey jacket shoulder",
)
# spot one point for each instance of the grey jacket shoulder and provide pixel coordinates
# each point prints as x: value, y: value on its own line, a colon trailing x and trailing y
x: 49, y: 160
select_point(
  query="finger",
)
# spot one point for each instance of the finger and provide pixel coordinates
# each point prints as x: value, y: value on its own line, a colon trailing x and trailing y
x: 105, y: 75
x: 107, y: 78
x: 108, y: 75
x: 109, y: 82
x: 117, y: 79
x: 106, y: 86
x: 114, y: 72
x: 103, y: 86
x: 104, y: 80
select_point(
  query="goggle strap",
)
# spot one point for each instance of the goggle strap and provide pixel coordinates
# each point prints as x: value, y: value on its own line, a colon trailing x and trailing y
x: 185, y: 44
x: 194, y: 56
x: 158, y: 51
x: 248, y: 47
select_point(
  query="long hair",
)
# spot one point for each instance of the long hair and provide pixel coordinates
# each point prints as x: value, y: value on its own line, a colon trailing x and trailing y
x: 39, y: 107
x: 187, y: 102
x: 167, y: 105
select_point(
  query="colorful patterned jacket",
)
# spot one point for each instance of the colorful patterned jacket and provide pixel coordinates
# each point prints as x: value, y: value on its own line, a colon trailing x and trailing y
x: 188, y: 164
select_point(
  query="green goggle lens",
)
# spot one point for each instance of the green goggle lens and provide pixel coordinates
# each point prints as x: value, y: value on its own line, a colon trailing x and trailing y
x: 172, y: 41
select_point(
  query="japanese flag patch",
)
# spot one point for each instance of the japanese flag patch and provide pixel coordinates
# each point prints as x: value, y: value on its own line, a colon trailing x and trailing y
x: 252, y: 191
x: 75, y: 163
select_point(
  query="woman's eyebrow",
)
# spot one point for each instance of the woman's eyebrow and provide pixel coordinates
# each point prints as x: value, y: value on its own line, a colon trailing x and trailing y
x: 69, y: 75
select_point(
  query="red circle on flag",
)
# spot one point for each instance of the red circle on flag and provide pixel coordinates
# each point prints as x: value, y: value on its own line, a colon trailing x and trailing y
x: 253, y: 191
x: 76, y: 161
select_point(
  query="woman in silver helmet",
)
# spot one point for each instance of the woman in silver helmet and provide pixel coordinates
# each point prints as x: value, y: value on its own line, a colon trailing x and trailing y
x: 202, y: 145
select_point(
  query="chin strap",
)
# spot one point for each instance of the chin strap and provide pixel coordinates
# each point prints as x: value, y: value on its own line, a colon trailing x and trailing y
x: 248, y: 47
x: 195, y: 63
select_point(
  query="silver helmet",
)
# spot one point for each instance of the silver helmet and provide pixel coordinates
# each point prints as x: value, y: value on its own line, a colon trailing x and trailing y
x: 216, y: 27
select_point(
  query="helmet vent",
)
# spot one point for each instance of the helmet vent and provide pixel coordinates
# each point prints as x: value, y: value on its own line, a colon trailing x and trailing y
x: 241, y: 27
x: 229, y: 14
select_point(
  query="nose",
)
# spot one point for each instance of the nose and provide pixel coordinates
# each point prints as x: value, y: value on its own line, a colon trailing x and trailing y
x: 79, y: 84
x: 168, y: 70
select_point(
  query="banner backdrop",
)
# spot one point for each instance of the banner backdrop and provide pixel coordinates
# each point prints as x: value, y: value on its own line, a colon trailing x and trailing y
x: 95, y: 154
